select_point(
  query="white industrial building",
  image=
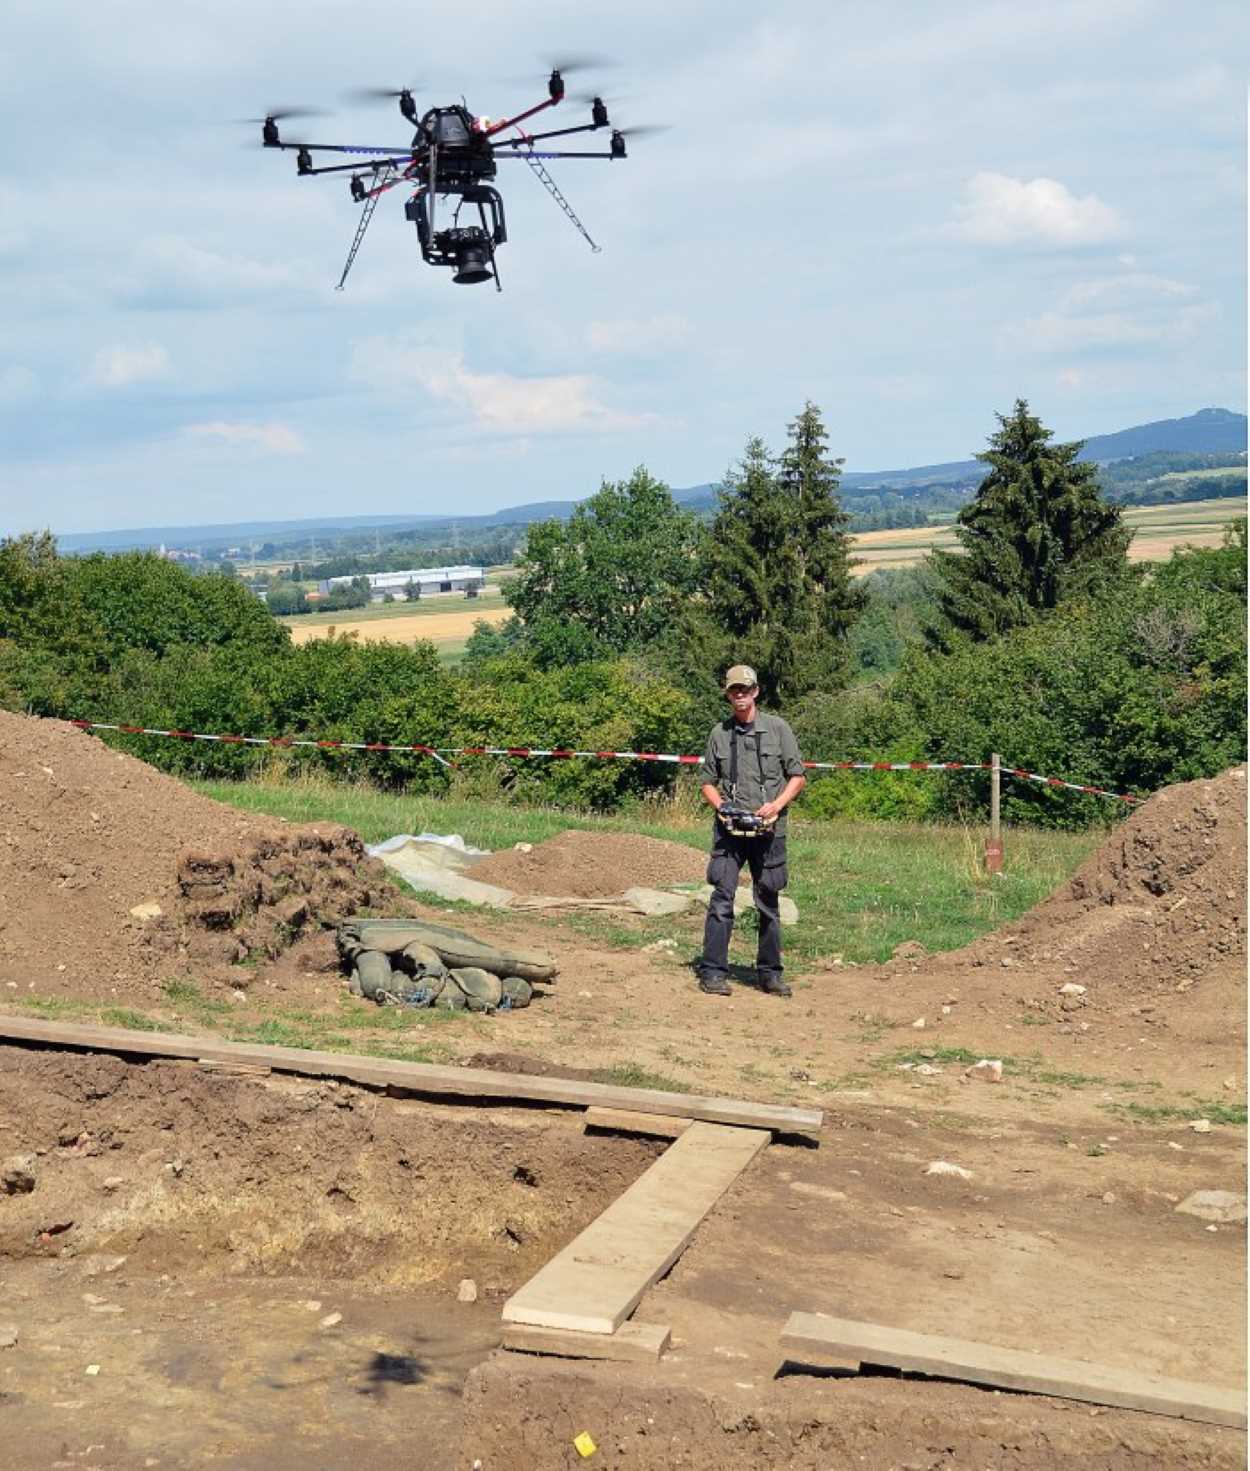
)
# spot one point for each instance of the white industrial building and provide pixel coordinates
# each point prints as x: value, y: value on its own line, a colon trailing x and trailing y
x: 468, y: 580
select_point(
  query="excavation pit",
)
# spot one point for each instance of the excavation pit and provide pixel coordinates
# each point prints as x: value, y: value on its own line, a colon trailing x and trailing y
x: 263, y: 1270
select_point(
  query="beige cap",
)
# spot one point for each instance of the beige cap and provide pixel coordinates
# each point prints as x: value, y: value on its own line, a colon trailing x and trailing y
x: 741, y: 674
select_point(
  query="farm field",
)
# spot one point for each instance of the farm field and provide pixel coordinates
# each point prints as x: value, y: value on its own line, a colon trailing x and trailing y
x: 1159, y: 529
x: 446, y: 621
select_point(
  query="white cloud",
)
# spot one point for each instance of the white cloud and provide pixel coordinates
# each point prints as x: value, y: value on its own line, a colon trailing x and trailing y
x: 278, y: 439
x: 120, y: 367
x: 499, y: 401
x: 641, y: 336
x: 1138, y: 283
x: 170, y: 270
x: 1062, y: 332
x: 998, y: 210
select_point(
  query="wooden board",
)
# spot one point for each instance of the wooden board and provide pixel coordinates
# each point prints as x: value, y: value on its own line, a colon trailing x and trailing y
x: 630, y: 1121
x: 594, y: 1284
x: 416, y: 1077
x: 631, y: 1343
x: 1010, y: 1368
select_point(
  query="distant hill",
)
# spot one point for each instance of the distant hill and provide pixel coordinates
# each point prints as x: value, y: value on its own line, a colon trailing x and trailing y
x: 931, y: 488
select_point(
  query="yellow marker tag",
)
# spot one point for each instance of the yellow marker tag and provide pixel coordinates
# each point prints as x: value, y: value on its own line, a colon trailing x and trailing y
x: 584, y: 1445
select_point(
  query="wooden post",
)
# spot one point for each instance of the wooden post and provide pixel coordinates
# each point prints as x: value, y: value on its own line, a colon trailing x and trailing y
x: 994, y: 846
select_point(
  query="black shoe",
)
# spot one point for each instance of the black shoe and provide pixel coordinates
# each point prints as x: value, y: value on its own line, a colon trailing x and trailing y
x: 773, y: 985
x: 715, y: 985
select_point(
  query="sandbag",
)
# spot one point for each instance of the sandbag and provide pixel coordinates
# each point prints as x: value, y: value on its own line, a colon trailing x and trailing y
x: 373, y: 974
x: 454, y: 947
x: 483, y: 991
x: 517, y: 992
x: 420, y: 961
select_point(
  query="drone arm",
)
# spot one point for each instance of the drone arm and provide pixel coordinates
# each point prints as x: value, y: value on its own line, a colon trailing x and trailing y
x: 509, y: 122
x: 341, y: 148
x: 347, y: 168
x: 555, y: 133
x: 537, y: 154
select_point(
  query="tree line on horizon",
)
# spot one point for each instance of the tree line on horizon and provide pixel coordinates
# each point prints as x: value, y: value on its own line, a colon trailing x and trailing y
x: 1037, y: 639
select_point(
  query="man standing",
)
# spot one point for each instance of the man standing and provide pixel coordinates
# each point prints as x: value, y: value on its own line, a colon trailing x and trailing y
x: 751, y: 773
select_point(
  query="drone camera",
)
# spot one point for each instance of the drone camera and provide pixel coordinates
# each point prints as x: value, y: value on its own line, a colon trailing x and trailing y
x: 470, y: 247
x: 599, y: 112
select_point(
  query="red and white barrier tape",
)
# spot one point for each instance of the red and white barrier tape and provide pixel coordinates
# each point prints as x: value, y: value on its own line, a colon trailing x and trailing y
x: 440, y: 753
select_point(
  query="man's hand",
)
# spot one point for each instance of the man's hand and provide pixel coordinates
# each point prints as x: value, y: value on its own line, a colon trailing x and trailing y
x: 770, y: 811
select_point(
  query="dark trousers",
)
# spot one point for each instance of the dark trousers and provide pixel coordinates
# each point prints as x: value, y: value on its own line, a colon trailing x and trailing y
x: 766, y: 858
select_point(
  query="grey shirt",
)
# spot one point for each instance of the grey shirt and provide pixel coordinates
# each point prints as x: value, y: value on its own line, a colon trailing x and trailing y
x: 768, y: 756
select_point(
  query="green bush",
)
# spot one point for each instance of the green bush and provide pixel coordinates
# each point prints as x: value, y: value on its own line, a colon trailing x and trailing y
x: 1131, y: 691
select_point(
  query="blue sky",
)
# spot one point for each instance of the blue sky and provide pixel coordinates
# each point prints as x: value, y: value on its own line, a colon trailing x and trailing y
x: 910, y: 213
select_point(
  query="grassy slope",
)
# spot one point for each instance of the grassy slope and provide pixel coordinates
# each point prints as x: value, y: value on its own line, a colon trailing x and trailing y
x: 861, y: 888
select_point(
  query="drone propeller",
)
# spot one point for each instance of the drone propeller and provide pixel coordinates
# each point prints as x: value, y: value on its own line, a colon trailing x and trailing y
x: 564, y: 65
x: 279, y: 114
x: 581, y: 63
x: 380, y: 94
x: 644, y: 131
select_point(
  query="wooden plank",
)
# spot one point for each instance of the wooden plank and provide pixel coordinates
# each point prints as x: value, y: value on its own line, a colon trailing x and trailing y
x: 417, y: 1077
x: 594, y: 1284
x: 639, y: 1343
x: 630, y: 1121
x: 1010, y: 1368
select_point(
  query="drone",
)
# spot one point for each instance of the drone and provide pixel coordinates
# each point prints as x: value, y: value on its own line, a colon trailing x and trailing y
x: 454, y: 155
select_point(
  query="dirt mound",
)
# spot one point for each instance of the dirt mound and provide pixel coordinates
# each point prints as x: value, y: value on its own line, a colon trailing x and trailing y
x: 1160, y: 904
x: 88, y: 835
x: 1145, y: 944
x: 593, y: 865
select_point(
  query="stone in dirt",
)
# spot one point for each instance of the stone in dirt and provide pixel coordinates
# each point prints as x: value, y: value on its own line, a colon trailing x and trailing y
x: 467, y: 1291
x: 17, y: 1174
x: 1223, y: 1206
x: 988, y: 1070
x: 8, y: 1335
x: 944, y: 1167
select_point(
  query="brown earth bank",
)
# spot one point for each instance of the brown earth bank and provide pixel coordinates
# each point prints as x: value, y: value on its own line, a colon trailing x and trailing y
x: 520, y: 1415
x: 88, y: 835
x: 234, y: 1200
x: 263, y: 1271
x: 592, y: 865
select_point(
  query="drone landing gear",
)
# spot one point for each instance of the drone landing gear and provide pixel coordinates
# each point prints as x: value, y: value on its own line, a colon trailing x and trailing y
x: 469, y: 249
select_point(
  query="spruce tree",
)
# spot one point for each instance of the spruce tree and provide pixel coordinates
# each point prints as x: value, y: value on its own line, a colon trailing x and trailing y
x: 777, y: 575
x: 1037, y: 531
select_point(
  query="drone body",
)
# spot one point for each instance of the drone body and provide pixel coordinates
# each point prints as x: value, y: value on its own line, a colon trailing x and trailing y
x: 453, y: 156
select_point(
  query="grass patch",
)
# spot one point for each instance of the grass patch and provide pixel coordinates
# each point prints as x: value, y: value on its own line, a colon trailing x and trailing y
x: 630, y: 1075
x: 862, y: 888
x: 916, y: 1055
x: 54, y: 1008
x: 135, y: 1021
x: 1216, y: 1111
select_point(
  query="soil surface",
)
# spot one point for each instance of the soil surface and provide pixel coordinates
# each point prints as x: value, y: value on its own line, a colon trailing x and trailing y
x: 592, y: 865
x: 88, y: 835
x: 263, y: 1271
x: 255, y: 1195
